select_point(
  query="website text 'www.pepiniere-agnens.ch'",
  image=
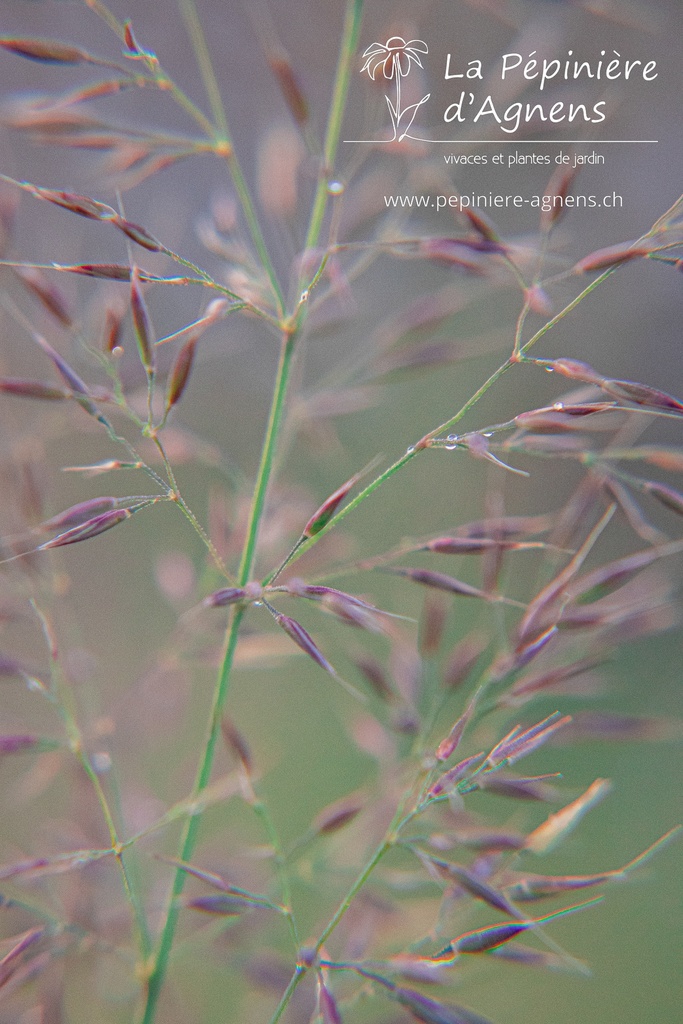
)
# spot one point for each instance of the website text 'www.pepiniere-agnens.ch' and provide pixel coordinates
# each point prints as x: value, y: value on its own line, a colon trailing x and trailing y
x: 503, y: 201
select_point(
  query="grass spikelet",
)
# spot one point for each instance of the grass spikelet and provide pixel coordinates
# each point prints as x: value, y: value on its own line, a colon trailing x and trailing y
x: 559, y: 824
x: 47, y: 51
x: 520, y: 743
x: 612, y: 256
x: 536, y: 887
x: 558, y: 188
x: 327, y: 1005
x: 180, y: 374
x: 296, y: 632
x: 550, y: 599
x: 440, y: 581
x: 455, y: 873
x: 291, y: 90
x: 141, y: 324
x: 137, y: 234
x: 46, y: 293
x: 89, y: 528
x: 337, y: 815
x: 449, y: 745
x: 324, y: 514
x: 450, y: 779
x: 8, y: 964
x: 642, y: 394
x: 431, y: 1011
x: 21, y: 744
x: 32, y: 389
x: 304, y: 640
x: 667, y: 496
x: 483, y: 940
x: 78, y: 514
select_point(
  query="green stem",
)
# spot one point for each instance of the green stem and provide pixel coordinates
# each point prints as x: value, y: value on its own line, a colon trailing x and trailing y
x: 347, y: 49
x: 398, y: 822
x: 517, y: 357
x: 299, y: 972
x: 191, y: 830
x: 377, y: 856
x: 242, y: 189
x: 62, y: 698
x: 291, y: 333
x: 198, y: 39
x: 301, y: 969
x: 265, y: 467
x: 263, y: 814
x: 567, y: 309
x: 225, y: 146
x: 399, y: 464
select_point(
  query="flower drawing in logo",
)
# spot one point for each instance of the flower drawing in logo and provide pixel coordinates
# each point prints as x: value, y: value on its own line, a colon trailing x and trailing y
x: 394, y: 59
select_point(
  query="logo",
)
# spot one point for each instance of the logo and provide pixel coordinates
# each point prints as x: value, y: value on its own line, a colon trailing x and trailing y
x: 394, y: 59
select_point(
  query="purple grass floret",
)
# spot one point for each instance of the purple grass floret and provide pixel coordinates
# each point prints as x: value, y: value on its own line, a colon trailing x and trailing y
x: 80, y: 513
x: 322, y: 516
x: 518, y: 744
x: 447, y: 782
x: 305, y: 641
x: 440, y: 581
x: 448, y: 746
x: 223, y: 904
x: 431, y: 1011
x: 32, y: 389
x: 225, y: 596
x: 329, y: 1010
x: 534, y: 787
x: 141, y: 324
x: 482, y: 940
x: 456, y: 874
x: 180, y: 373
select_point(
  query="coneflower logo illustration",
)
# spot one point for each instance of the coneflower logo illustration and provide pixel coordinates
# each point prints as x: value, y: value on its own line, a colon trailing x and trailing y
x: 395, y: 59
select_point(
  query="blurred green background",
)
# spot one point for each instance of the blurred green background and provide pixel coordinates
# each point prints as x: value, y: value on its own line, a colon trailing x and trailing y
x: 119, y: 599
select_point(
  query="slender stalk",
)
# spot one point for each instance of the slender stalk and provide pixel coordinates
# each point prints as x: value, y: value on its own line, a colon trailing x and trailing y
x: 62, y: 698
x: 301, y: 969
x: 191, y: 830
x: 399, y: 821
x: 567, y: 309
x: 263, y: 814
x: 188, y: 10
x: 224, y: 145
x: 350, y: 33
x: 360, y: 881
x: 399, y: 464
x: 239, y: 181
x: 517, y: 357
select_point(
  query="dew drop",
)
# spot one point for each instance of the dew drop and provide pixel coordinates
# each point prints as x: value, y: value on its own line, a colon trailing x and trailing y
x: 101, y: 762
x: 488, y: 434
x: 335, y: 188
x: 304, y: 296
x: 558, y: 406
x: 409, y: 451
x: 258, y: 604
x: 549, y: 369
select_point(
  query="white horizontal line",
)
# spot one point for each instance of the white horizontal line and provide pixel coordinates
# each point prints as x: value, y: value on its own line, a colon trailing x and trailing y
x: 516, y: 142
